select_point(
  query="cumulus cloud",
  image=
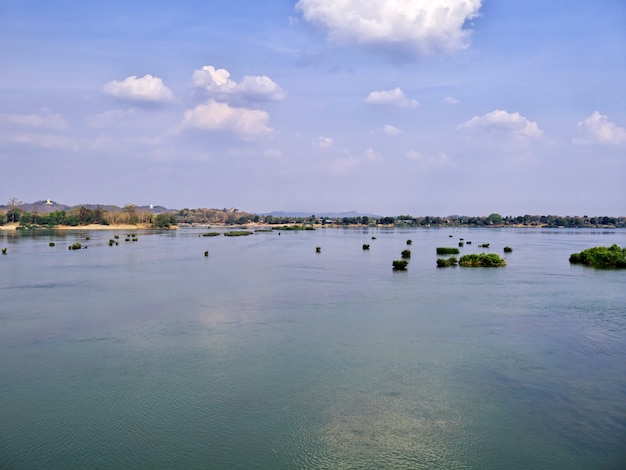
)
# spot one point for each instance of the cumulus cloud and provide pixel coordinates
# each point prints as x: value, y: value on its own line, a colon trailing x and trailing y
x: 216, y: 116
x: 43, y: 120
x: 147, y: 89
x: 416, y: 27
x: 395, y: 97
x: 217, y: 84
x: 505, y: 123
x: 598, y: 129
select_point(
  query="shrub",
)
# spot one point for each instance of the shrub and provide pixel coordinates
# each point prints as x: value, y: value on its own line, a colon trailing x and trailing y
x: 210, y: 234
x: 442, y: 250
x: 51, y: 244
x: 75, y: 246
x: 409, y: 242
x: 366, y: 247
x: 206, y: 253
x: 483, y: 260
x: 601, y: 257
x: 461, y: 244
x: 4, y: 251
x: 400, y: 264
x: 318, y: 249
x: 484, y: 245
x: 508, y: 249
x: 444, y: 263
x: 406, y: 254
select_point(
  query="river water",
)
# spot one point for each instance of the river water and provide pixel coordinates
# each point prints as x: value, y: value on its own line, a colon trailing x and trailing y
x: 269, y: 355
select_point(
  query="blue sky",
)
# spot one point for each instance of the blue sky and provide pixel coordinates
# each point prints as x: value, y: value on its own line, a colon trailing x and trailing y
x: 418, y: 107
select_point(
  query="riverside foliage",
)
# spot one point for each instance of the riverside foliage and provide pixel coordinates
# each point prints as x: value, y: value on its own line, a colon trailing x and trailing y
x: 601, y: 257
x: 482, y: 260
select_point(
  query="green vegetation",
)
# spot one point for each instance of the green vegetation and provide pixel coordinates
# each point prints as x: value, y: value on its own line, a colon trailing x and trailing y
x: 444, y: 263
x: 409, y: 242
x: 400, y: 264
x: 601, y: 257
x: 4, y: 251
x: 442, y: 250
x: 483, y: 259
x: 484, y: 245
x: 211, y: 234
x: 508, y: 249
x: 165, y: 220
x: 406, y: 254
x: 294, y: 227
x: 237, y: 233
x: 75, y: 246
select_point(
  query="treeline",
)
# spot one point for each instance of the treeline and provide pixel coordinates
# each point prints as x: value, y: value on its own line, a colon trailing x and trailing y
x: 132, y: 215
x: 85, y: 216
x: 491, y: 220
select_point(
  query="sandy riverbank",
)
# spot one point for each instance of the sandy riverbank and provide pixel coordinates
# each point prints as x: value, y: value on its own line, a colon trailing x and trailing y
x: 125, y: 227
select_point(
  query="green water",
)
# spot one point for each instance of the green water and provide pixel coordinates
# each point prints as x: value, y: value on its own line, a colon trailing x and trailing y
x: 267, y: 354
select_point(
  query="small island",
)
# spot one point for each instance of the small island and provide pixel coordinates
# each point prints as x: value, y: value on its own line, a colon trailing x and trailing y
x: 482, y: 260
x: 601, y: 257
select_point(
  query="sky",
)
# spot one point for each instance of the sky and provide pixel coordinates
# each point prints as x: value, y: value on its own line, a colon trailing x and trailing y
x: 418, y: 107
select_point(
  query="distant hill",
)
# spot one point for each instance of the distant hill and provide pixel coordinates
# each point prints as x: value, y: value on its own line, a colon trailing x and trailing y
x: 42, y: 207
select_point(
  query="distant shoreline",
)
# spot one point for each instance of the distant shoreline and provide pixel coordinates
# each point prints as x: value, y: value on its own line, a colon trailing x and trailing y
x: 14, y: 226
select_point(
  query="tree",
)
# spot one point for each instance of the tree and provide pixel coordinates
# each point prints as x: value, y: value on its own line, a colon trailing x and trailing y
x: 494, y: 219
x: 131, y: 210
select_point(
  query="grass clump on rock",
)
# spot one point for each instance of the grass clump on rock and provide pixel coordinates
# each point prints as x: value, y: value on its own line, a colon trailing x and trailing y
x: 400, y: 264
x: 238, y: 233
x: 447, y: 262
x: 443, y: 250
x: 482, y: 260
x: 601, y: 257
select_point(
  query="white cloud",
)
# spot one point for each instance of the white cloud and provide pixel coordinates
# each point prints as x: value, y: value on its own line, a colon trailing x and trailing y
x: 417, y: 27
x: 146, y: 89
x: 395, y: 97
x: 216, y: 116
x: 598, y: 129
x: 439, y: 160
x: 44, y: 120
x: 218, y: 85
x: 450, y: 100
x: 349, y: 162
x: 502, y: 122
x: 391, y: 130
x: 324, y: 142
